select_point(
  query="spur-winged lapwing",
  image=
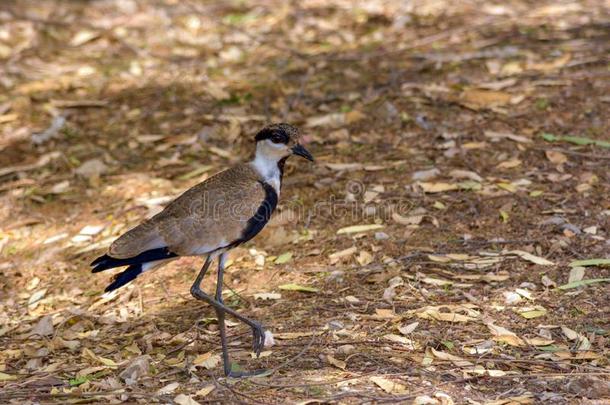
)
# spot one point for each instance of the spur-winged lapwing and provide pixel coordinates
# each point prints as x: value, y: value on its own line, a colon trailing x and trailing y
x: 209, y: 219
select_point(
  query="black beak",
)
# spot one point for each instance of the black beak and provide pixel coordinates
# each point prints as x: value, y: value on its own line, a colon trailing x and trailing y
x: 299, y: 150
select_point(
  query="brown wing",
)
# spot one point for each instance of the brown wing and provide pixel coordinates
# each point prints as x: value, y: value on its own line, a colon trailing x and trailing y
x: 210, y: 215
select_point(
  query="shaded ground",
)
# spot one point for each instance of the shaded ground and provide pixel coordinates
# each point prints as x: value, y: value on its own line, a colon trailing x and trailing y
x: 436, y: 125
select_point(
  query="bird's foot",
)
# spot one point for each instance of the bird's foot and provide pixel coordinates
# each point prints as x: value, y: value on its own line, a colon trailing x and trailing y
x: 258, y: 338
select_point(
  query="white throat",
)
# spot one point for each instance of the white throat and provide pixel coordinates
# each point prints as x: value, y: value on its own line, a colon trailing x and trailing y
x: 266, y: 163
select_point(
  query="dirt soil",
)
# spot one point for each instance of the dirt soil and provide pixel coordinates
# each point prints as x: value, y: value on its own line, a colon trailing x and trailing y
x: 428, y: 256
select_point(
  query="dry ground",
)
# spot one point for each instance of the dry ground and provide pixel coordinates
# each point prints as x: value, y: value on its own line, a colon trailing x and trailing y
x: 439, y: 127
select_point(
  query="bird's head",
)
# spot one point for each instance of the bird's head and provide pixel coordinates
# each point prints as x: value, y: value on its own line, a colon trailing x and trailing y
x: 279, y: 141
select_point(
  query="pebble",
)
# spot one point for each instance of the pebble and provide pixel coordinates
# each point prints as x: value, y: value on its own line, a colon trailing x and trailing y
x: 346, y: 349
x: 381, y: 236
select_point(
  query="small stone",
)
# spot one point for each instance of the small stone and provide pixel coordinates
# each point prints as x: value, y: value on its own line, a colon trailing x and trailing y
x: 381, y: 236
x: 92, y: 168
x: 423, y: 175
x: 335, y: 325
x: 346, y: 349
x: 336, y: 276
x: 137, y: 368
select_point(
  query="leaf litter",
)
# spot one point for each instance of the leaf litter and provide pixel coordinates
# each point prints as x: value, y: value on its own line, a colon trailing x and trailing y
x: 443, y: 262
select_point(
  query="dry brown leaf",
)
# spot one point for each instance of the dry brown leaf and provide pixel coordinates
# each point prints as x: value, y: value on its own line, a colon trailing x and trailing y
x: 509, y: 164
x: 410, y: 220
x: 437, y: 187
x: 501, y: 334
x: 530, y: 257
x: 410, y: 344
x: 408, y: 329
x: 205, y: 391
x: 168, y: 389
x: 336, y: 362
x: 457, y: 360
x: 448, y: 313
x: 389, y: 386
x: 182, y: 399
x: 295, y: 335
x: 555, y: 157
x: 207, y: 360
x: 364, y: 258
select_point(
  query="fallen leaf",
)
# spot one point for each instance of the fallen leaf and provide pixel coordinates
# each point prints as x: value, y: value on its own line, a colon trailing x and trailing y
x: 410, y: 220
x: 296, y: 335
x: 364, y: 258
x: 538, y: 341
x: 402, y: 340
x: 577, y: 140
x: 205, y: 391
x: 267, y: 296
x: 283, y: 258
x: 44, y: 327
x: 569, y: 333
x: 182, y: 399
x: 590, y: 262
x: 555, y: 157
x: 530, y: 313
x: 389, y: 386
x: 501, y: 334
x: 456, y: 360
x: 509, y: 164
x: 136, y: 369
x: 576, y: 274
x: 296, y: 287
x: 437, y: 187
x: 505, y: 135
x: 583, y: 283
x: 83, y: 36
x: 477, y: 99
x: 168, y: 389
x: 359, y: 228
x: 344, y: 166
x: 530, y: 257
x: 7, y: 377
x: 447, y: 313
x: 335, y: 362
x: 465, y: 174
x: 408, y: 329
x: 207, y: 360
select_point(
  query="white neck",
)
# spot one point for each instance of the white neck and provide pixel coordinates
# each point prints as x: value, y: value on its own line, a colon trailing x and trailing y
x: 266, y: 164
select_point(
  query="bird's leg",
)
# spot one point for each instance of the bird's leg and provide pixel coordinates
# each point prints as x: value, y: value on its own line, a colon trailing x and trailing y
x: 221, y: 316
x: 257, y: 330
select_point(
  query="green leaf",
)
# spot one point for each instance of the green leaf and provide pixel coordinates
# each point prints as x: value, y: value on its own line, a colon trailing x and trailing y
x: 550, y: 348
x: 75, y: 382
x: 590, y: 262
x: 283, y: 258
x: 577, y: 140
x: 504, y: 216
x: 582, y: 283
x: 296, y: 287
x: 470, y: 185
x: 236, y: 368
x: 549, y: 137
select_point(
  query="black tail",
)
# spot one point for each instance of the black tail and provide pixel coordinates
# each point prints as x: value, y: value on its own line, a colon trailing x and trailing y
x: 125, y: 277
x: 106, y: 262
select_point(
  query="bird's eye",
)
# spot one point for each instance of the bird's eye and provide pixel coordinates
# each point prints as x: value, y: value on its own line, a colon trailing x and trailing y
x: 276, y: 139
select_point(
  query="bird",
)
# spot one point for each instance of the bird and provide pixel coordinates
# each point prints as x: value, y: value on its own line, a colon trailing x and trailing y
x: 208, y: 220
